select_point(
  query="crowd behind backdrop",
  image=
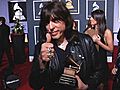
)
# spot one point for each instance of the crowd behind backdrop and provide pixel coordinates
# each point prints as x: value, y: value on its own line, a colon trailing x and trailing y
x: 28, y: 11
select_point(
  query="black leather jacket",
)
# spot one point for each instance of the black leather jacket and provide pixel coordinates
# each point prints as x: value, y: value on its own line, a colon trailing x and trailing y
x: 83, y: 52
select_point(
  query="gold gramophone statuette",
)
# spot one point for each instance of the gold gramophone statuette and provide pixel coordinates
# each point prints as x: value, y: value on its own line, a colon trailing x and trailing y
x: 68, y: 77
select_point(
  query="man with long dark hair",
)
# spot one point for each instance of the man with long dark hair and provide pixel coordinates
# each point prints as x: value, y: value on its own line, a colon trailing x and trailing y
x: 62, y: 51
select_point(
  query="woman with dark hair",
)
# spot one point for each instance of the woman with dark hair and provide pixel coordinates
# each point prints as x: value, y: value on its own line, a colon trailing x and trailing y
x: 64, y: 59
x: 103, y: 39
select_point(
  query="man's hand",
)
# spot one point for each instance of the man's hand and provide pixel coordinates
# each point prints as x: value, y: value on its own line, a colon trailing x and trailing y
x: 47, y: 50
x: 81, y: 85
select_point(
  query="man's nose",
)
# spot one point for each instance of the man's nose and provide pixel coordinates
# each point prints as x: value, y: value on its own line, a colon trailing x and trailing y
x: 52, y: 25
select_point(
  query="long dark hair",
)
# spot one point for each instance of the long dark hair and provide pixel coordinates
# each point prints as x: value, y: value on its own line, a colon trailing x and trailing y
x: 58, y: 11
x: 99, y: 16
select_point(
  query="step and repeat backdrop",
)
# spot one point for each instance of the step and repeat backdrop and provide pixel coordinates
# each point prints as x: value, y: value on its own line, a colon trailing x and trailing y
x: 17, y: 10
x: 28, y: 11
x: 116, y: 24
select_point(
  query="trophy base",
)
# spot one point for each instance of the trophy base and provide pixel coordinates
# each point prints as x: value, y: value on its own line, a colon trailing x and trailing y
x: 67, y: 80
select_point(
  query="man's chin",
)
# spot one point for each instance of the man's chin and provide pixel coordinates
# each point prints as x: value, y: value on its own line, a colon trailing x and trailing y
x: 55, y: 37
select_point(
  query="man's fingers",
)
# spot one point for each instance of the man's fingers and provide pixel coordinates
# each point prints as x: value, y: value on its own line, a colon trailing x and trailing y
x: 48, y: 38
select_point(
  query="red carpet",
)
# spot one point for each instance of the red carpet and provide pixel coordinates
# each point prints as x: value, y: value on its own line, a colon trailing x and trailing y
x: 23, y: 70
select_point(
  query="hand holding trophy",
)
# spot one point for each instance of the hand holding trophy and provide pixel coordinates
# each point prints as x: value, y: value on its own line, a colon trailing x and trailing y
x: 68, y: 77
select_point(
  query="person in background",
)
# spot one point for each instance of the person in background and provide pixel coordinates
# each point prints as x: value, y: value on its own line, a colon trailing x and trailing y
x: 59, y: 47
x: 103, y: 39
x: 116, y: 73
x: 5, y: 42
x: 116, y: 69
x: 118, y: 37
x: 74, y: 25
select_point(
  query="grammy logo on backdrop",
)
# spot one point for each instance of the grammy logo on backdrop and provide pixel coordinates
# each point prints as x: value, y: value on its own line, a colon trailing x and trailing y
x: 68, y: 77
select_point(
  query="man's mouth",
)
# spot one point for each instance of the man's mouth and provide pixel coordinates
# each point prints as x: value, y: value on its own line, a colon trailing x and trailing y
x: 54, y: 33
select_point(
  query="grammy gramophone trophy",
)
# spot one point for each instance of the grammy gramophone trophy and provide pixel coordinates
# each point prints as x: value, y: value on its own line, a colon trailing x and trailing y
x: 68, y: 77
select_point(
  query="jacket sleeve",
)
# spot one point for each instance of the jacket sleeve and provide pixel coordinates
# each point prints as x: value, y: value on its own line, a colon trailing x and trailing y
x: 97, y: 70
x: 36, y: 78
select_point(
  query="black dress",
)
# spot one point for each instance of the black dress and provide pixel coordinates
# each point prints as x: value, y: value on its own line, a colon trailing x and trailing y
x: 102, y: 57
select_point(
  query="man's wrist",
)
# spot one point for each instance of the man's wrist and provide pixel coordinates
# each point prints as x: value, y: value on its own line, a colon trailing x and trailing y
x: 42, y: 63
x: 86, y: 87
